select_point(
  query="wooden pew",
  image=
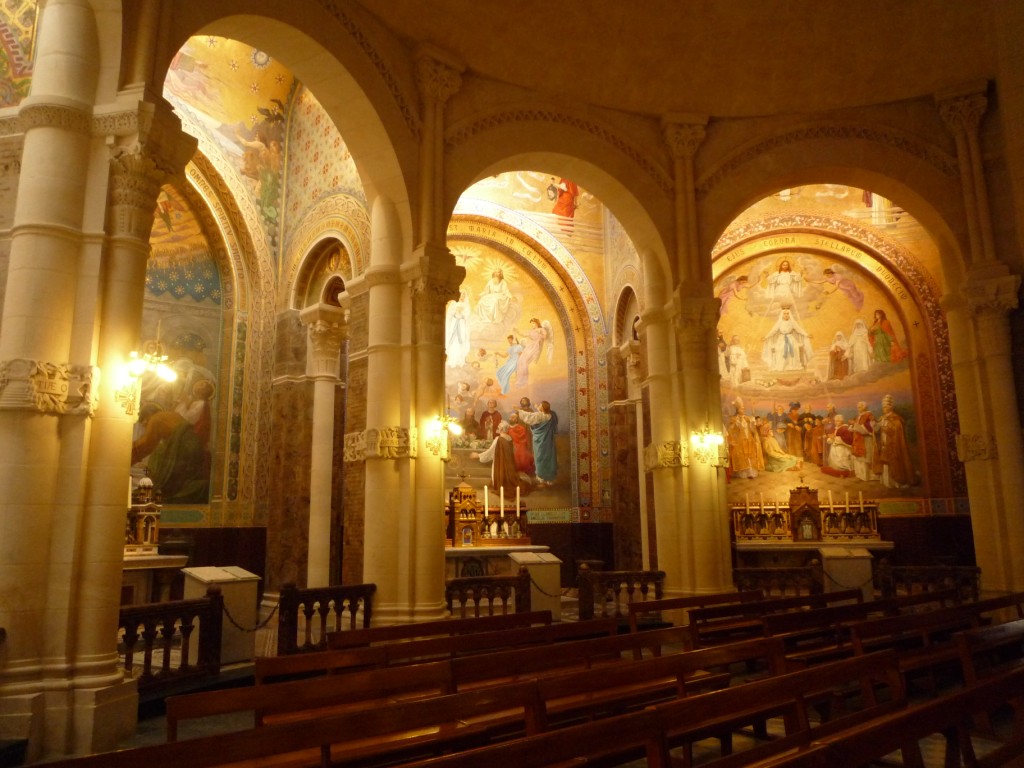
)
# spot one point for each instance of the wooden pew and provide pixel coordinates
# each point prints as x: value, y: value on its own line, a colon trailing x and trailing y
x: 949, y: 715
x: 638, y: 609
x: 823, y: 634
x: 384, y: 734
x: 685, y: 722
x: 737, y: 621
x: 989, y: 651
x: 353, y: 638
x: 278, y: 668
x: 651, y: 732
x: 278, y: 702
x: 924, y: 641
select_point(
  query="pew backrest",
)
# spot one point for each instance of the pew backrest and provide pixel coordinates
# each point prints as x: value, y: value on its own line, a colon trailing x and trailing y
x: 354, y: 638
x: 668, y: 604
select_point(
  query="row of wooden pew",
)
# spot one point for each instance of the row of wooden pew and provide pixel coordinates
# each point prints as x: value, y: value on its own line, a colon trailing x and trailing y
x: 405, y: 697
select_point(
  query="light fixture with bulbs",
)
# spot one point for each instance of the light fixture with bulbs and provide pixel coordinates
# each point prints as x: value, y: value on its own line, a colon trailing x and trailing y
x: 129, y: 388
x: 707, y: 446
x: 437, y: 432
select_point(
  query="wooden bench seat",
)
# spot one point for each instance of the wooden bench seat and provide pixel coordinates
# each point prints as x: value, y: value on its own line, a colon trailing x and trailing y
x: 279, y: 701
x: 737, y: 621
x: 278, y: 668
x: 381, y: 734
x: 949, y: 715
x: 791, y: 697
x: 637, y: 610
x: 355, y: 638
x: 818, y: 635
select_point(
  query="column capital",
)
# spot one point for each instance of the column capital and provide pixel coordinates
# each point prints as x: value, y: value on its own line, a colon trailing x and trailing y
x: 327, y: 330
x: 684, y: 134
x: 996, y: 294
x: 962, y: 109
x: 976, y: 447
x: 438, y: 75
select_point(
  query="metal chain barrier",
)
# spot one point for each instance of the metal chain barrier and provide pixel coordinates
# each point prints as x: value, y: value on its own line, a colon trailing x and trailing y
x: 259, y: 625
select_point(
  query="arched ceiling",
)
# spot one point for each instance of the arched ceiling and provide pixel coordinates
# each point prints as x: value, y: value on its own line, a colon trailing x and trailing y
x: 714, y: 58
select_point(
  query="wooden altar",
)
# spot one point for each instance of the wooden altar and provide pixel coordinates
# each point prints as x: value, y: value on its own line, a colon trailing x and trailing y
x: 470, y: 523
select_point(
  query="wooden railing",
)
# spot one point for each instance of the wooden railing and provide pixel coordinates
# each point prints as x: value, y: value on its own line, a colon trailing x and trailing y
x: 609, y: 593
x: 305, y: 616
x: 780, y: 582
x: 162, y: 644
x: 892, y: 580
x: 488, y: 595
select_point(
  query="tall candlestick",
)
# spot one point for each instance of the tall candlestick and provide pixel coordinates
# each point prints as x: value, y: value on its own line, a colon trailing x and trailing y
x: 501, y: 496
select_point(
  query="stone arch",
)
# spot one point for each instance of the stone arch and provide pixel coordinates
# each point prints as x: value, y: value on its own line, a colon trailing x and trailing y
x: 635, y: 184
x: 335, y: 56
x: 324, y: 270
x: 627, y: 314
x: 922, y: 176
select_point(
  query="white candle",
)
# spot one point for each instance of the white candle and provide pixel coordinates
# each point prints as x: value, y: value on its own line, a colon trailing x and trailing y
x: 847, y: 501
x: 748, y: 501
x: 860, y: 498
x: 760, y: 501
x: 830, y: 497
x: 517, y: 501
x: 486, y: 508
x: 501, y: 502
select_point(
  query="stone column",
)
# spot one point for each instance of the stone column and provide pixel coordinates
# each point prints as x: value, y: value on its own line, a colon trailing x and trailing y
x: 962, y: 110
x: 437, y: 283
x: 704, y: 527
x: 684, y: 134
x: 989, y: 442
x: 386, y: 444
x: 665, y: 455
x: 327, y: 330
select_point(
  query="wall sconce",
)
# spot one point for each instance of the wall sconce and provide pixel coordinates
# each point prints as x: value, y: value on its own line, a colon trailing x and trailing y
x: 128, y: 389
x: 707, y: 446
x: 437, y: 432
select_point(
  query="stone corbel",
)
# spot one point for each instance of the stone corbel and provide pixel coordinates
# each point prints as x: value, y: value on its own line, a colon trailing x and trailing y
x: 391, y: 443
x: 44, y: 387
x: 976, y: 448
x: 995, y: 294
x: 666, y: 455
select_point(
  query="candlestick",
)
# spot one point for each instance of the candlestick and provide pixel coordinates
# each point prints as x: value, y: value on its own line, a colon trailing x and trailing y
x: 501, y: 496
x: 486, y: 508
x: 517, y: 501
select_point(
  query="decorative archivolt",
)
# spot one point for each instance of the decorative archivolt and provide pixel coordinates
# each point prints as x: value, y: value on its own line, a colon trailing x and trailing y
x: 942, y: 161
x: 660, y: 174
x: 371, y: 50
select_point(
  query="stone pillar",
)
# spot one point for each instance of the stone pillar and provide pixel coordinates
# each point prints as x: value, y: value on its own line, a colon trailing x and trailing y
x: 989, y: 443
x: 684, y: 134
x: 962, y: 110
x: 704, y: 525
x: 327, y: 330
x: 387, y: 447
x: 437, y: 283
x: 665, y: 455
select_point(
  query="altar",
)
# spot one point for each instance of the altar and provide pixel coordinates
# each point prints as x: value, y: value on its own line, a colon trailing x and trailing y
x: 842, y: 533
x: 495, y: 560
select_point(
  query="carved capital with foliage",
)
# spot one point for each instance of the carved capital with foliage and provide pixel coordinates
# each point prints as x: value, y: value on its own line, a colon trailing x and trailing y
x: 665, y: 455
x: 976, y: 448
x: 391, y: 443
x: 44, y: 387
x: 437, y: 80
x: 684, y: 135
x: 962, y: 112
